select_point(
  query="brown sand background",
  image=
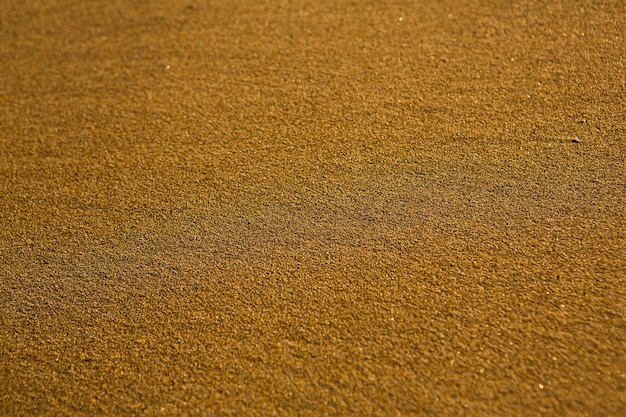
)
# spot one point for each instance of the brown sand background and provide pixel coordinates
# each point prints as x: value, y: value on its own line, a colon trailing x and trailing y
x: 312, y: 208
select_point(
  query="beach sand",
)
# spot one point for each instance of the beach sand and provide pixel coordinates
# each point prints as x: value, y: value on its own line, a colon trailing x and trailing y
x: 259, y: 208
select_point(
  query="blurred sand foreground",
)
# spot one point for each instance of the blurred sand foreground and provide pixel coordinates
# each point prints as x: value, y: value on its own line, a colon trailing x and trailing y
x: 313, y: 208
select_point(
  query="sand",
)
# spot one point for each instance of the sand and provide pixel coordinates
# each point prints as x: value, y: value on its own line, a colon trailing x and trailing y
x: 261, y: 208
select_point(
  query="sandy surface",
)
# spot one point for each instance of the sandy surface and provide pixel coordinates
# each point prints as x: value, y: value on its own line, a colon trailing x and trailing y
x: 313, y: 208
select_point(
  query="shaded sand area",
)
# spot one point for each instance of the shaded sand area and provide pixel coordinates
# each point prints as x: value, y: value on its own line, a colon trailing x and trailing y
x: 257, y: 208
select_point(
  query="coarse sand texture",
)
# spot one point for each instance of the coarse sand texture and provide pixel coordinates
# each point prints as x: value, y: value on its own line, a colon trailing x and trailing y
x: 313, y: 208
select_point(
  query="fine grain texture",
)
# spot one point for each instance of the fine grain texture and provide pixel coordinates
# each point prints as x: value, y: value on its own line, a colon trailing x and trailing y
x: 313, y: 208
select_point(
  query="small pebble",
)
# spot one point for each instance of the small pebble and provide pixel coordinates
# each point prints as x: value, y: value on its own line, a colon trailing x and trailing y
x: 577, y: 140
